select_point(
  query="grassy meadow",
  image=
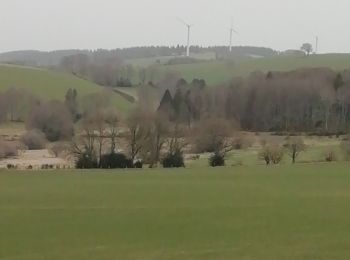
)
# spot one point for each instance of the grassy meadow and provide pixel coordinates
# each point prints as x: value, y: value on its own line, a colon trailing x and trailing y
x: 52, y: 84
x: 316, y: 150
x: 256, y: 212
x: 217, y: 72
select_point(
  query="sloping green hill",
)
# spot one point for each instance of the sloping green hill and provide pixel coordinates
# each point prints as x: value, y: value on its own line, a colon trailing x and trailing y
x: 52, y: 84
x: 220, y: 71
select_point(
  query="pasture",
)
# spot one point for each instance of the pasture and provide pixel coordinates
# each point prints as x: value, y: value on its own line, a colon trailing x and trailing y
x: 217, y: 72
x: 250, y: 212
x: 316, y: 150
x: 52, y: 84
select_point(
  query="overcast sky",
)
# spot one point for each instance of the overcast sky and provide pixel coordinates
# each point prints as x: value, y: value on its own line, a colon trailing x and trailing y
x: 91, y: 24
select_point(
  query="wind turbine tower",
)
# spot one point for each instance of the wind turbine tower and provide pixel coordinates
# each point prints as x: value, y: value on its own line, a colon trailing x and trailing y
x: 232, y: 30
x: 316, y: 46
x: 189, y: 26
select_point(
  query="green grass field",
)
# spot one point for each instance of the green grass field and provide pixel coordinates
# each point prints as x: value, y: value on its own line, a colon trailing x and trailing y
x: 145, y: 62
x: 219, y: 72
x: 256, y: 212
x: 316, y: 150
x: 51, y: 84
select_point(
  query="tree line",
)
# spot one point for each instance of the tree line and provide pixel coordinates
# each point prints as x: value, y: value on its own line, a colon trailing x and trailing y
x: 54, y: 58
x: 307, y: 100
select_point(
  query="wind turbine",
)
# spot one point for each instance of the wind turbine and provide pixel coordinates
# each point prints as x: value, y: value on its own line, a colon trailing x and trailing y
x: 316, y: 46
x: 189, y: 26
x: 232, y: 30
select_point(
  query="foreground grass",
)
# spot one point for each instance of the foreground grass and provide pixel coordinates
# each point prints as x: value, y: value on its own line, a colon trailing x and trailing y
x: 300, y: 212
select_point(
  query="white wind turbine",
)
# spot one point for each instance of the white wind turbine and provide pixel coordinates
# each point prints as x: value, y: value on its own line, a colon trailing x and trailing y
x: 189, y: 26
x: 232, y: 30
x: 316, y: 45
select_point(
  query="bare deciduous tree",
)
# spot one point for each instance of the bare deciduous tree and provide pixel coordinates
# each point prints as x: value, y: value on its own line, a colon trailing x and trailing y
x: 112, y: 120
x: 294, y: 146
x: 158, y: 134
x: 17, y: 103
x: 84, y: 142
x: 138, y: 123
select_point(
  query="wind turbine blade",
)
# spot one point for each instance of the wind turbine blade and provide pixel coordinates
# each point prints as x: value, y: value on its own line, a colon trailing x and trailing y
x: 232, y: 28
x: 182, y: 21
x: 233, y: 31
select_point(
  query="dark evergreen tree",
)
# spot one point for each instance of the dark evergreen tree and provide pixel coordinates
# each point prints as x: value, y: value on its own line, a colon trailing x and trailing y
x: 72, y: 103
x: 338, y: 82
x: 166, y: 105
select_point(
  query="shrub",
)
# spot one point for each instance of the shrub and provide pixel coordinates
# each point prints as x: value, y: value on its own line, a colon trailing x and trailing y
x: 138, y: 164
x: 271, y: 154
x: 265, y: 155
x: 277, y: 154
x: 8, y: 149
x: 44, y: 166
x: 212, y: 136
x: 175, y: 160
x: 242, y: 142
x: 217, y: 160
x: 86, y: 161
x: 115, y: 161
x: 11, y: 150
x: 58, y: 148
x: 330, y: 156
x: 53, y: 119
x: 345, y: 145
x: 34, y: 139
x: 11, y: 166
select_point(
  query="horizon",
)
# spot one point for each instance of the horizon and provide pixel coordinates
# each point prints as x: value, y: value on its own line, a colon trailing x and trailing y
x: 170, y: 46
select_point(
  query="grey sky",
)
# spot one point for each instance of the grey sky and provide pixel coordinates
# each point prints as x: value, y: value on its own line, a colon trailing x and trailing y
x: 90, y: 24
